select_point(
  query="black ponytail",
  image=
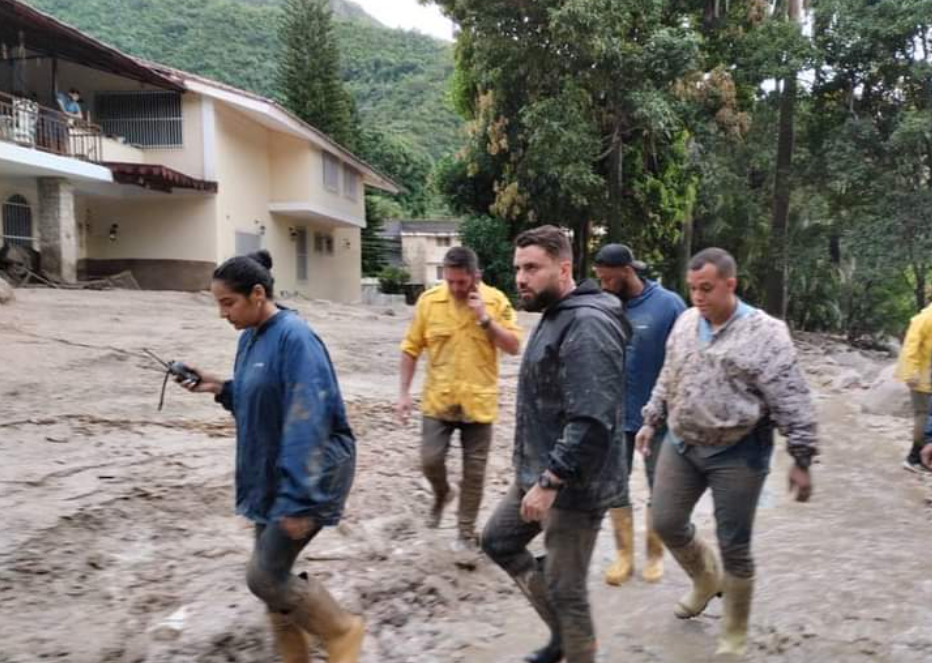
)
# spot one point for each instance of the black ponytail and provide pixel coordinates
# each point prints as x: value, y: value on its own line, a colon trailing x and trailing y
x: 243, y: 273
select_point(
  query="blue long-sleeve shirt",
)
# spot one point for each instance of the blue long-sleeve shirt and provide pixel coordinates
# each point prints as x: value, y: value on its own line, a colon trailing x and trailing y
x: 295, y: 451
x: 651, y: 314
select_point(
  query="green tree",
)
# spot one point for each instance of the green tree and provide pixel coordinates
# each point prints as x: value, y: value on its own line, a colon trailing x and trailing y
x: 490, y: 240
x: 308, y: 76
x: 574, y: 118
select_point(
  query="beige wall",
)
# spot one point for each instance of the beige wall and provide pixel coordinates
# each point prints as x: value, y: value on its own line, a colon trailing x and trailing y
x: 335, y: 277
x: 166, y: 227
x: 298, y: 177
x: 254, y: 167
x: 118, y: 152
x: 244, y: 179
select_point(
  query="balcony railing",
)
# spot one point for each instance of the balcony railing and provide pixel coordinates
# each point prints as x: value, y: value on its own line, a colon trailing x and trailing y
x: 26, y: 123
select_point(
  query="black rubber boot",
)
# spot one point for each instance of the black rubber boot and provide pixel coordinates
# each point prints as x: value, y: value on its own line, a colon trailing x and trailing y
x: 552, y: 652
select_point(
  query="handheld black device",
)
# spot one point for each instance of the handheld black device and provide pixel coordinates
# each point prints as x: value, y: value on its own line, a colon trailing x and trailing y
x: 180, y: 371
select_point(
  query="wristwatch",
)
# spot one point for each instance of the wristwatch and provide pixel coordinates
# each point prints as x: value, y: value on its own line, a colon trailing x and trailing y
x: 545, y: 482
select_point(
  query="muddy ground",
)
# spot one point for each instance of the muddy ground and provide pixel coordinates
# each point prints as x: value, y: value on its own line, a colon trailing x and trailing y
x: 118, y: 543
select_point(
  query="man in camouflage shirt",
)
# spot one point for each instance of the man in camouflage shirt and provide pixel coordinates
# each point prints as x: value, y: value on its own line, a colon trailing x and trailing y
x: 729, y: 377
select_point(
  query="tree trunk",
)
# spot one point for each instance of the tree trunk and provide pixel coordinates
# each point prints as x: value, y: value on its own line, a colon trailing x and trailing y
x: 615, y: 192
x: 685, y: 249
x: 775, y: 303
x: 581, y: 235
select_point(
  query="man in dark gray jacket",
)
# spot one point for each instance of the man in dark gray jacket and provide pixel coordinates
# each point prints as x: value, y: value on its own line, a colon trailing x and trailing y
x: 569, y: 442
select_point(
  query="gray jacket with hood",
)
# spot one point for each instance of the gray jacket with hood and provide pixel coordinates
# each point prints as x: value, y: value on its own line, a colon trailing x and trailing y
x: 570, y: 409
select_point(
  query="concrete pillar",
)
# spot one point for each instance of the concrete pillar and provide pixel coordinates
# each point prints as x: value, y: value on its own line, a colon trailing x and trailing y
x: 58, y: 229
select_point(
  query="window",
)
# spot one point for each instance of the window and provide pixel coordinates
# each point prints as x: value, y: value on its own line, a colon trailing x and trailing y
x: 323, y: 243
x: 331, y: 173
x: 145, y: 118
x: 247, y: 243
x: 439, y: 272
x: 300, y: 247
x: 17, y: 221
x: 444, y: 241
x: 350, y: 183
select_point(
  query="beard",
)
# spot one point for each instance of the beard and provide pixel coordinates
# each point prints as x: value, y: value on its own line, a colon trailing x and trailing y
x: 540, y: 301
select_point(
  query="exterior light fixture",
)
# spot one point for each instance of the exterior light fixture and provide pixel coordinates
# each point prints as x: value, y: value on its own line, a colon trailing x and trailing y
x: 292, y: 233
x: 114, y: 229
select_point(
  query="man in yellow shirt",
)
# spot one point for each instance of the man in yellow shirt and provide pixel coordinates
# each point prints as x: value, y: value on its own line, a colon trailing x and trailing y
x: 462, y: 324
x: 915, y: 369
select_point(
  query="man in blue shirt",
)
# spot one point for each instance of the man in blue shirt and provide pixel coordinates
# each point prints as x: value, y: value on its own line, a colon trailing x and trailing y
x: 651, y: 310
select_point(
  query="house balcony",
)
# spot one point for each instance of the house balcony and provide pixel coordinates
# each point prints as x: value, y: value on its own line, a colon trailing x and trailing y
x: 26, y: 123
x: 36, y: 141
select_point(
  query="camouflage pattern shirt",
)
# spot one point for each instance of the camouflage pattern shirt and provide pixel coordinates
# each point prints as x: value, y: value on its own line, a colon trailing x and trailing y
x: 715, y: 386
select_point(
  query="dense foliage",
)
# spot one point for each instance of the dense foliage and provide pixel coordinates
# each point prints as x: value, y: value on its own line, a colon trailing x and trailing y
x: 308, y: 75
x: 398, y: 79
x: 677, y: 125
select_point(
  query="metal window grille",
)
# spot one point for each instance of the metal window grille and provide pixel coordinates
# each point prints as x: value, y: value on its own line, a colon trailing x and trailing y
x: 350, y: 183
x: 301, y: 253
x: 148, y: 118
x: 17, y: 222
x: 331, y: 172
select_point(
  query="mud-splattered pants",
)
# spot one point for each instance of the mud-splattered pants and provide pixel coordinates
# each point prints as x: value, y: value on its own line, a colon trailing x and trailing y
x: 476, y: 440
x: 269, y: 574
x: 735, y: 475
x: 556, y: 584
x: 650, y: 464
x: 921, y: 414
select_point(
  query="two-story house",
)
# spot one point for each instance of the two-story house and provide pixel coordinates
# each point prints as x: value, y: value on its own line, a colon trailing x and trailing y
x: 420, y: 245
x: 165, y: 173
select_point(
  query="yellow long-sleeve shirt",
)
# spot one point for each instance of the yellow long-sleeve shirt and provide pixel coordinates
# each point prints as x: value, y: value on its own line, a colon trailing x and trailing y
x: 462, y: 369
x: 916, y: 357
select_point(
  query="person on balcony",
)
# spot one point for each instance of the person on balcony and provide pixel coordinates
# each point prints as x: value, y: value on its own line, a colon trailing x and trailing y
x: 71, y: 104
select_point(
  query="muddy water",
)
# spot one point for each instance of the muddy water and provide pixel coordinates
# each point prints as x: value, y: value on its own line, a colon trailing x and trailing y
x: 119, y: 545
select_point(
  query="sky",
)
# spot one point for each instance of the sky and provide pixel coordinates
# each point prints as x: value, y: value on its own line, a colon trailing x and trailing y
x: 410, y: 15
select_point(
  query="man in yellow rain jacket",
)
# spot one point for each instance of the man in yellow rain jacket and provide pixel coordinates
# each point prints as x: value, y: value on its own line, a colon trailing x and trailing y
x: 915, y: 369
x: 462, y: 324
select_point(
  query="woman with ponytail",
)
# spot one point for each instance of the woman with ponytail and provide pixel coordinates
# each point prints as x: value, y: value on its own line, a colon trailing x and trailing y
x: 295, y: 455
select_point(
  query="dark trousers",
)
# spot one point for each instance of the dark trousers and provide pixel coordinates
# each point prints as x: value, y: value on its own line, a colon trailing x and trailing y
x: 555, y: 584
x: 476, y: 440
x: 735, y: 476
x: 650, y: 464
x: 921, y: 415
x: 269, y: 574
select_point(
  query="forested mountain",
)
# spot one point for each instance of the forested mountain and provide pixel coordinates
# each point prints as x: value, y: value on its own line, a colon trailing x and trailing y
x: 399, y: 79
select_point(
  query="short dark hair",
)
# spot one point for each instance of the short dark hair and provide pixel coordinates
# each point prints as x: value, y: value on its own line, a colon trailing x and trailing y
x: 723, y: 261
x: 550, y: 238
x: 462, y: 257
x: 243, y: 273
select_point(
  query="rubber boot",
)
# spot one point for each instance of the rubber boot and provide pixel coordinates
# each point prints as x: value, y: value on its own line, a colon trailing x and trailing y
x: 533, y: 585
x: 737, y: 599
x: 653, y: 569
x: 290, y: 641
x: 702, y: 566
x: 623, y: 525
x: 319, y: 614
